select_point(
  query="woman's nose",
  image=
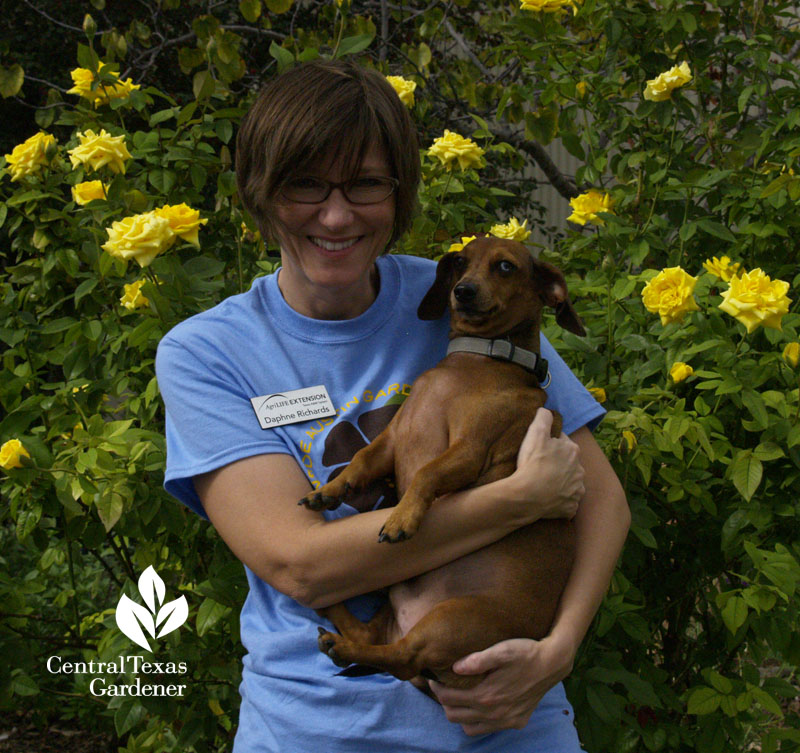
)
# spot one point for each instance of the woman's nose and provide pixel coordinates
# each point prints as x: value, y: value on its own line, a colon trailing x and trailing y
x: 336, y: 210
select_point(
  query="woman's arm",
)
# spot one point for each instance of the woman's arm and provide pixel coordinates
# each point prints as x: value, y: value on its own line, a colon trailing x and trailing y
x: 253, y: 505
x: 522, y: 671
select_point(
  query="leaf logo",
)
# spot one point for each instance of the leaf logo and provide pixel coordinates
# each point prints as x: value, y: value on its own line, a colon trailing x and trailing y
x: 132, y: 617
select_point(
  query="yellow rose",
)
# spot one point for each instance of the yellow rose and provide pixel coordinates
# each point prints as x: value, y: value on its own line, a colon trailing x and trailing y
x: 549, y: 6
x: 459, y: 246
x: 669, y: 294
x: 31, y: 155
x: 628, y: 442
x: 184, y: 221
x: 83, y: 79
x: 580, y: 89
x: 755, y: 300
x: 133, y: 298
x: 722, y: 267
x: 99, y: 150
x: 680, y: 371
x: 791, y: 354
x: 586, y: 206
x: 88, y: 191
x: 660, y: 88
x: 11, y: 454
x: 512, y: 230
x: 452, y: 148
x: 141, y: 237
x: 404, y: 88
x: 598, y: 393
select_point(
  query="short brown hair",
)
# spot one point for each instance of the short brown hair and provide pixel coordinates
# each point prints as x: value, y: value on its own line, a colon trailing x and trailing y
x: 312, y: 111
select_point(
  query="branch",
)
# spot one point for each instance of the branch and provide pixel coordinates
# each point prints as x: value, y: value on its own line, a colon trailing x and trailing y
x: 56, y: 21
x: 462, y: 43
x: 558, y: 180
x: 384, y: 31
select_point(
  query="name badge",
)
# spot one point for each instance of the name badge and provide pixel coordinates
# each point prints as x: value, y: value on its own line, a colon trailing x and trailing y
x: 293, y: 406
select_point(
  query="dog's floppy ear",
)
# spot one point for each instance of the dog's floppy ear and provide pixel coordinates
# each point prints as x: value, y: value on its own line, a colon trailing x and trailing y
x: 434, y: 304
x: 553, y: 289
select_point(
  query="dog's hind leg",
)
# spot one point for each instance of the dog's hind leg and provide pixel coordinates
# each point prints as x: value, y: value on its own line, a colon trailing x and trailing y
x: 374, y: 631
x: 451, y: 630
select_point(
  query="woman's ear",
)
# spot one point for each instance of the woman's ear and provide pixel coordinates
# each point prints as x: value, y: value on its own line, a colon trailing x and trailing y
x: 434, y: 304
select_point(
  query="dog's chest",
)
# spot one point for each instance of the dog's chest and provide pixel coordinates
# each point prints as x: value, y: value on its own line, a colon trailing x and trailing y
x: 470, y: 399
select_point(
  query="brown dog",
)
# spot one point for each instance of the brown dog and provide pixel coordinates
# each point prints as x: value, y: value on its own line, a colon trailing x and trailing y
x: 462, y: 426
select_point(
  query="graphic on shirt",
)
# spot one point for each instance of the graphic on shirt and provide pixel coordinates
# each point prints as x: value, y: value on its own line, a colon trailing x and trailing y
x: 345, y: 439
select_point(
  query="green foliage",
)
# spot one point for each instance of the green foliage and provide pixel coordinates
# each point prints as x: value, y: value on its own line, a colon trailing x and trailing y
x: 695, y: 647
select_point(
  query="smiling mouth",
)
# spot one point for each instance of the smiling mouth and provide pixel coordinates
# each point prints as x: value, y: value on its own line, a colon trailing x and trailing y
x: 328, y: 245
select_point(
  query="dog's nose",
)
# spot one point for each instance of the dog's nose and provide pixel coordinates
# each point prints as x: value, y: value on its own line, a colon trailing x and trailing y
x: 465, y: 292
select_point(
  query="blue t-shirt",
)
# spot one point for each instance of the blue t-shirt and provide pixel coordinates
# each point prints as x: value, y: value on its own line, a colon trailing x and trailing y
x: 252, y: 345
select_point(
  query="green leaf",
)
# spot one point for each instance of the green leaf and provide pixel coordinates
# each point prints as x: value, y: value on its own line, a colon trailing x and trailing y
x: 703, y: 700
x: 110, y: 508
x: 775, y: 186
x: 746, y: 472
x: 767, y: 702
x: 162, y: 115
x: 162, y: 180
x: 11, y: 80
x: 283, y: 56
x: 717, y: 229
x: 735, y: 613
x: 128, y: 715
x: 23, y: 684
x: 208, y: 614
x: 250, y: 9
x: 354, y: 45
x: 203, y: 85
x: 27, y: 520
x: 279, y: 6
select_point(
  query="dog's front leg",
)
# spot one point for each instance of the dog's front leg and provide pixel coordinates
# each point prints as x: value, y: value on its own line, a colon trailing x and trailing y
x: 373, y: 462
x: 456, y: 468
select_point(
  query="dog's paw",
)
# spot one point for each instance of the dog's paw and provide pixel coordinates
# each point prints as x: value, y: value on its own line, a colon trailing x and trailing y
x: 324, y: 498
x: 396, y: 529
x: 327, y: 643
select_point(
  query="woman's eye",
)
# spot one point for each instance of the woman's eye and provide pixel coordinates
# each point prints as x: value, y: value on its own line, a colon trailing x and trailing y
x: 304, y: 183
x: 367, y: 182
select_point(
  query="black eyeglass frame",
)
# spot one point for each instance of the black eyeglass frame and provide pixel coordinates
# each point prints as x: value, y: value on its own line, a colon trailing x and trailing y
x: 342, y: 186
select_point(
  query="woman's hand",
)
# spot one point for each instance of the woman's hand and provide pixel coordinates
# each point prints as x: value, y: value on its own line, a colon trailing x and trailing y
x: 549, y: 473
x: 520, y: 671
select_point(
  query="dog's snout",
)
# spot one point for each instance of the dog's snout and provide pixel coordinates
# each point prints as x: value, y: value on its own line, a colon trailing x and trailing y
x: 465, y: 292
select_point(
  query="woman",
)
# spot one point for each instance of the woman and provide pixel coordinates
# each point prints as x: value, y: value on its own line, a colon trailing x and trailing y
x: 328, y: 165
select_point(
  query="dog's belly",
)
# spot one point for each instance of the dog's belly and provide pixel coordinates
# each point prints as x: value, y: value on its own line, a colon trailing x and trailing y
x: 528, y: 568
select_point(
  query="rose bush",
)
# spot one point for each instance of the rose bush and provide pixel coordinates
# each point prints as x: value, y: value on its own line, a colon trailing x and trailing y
x: 695, y: 648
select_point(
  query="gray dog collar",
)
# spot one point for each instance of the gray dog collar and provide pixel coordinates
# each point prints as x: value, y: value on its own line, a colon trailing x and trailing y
x: 504, y: 351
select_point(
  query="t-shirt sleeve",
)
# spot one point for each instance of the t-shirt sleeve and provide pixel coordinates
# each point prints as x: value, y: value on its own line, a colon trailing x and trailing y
x: 210, y: 421
x: 567, y: 395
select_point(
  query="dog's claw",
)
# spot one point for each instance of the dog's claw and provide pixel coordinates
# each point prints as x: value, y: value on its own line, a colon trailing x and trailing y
x: 320, y: 502
x: 401, y: 535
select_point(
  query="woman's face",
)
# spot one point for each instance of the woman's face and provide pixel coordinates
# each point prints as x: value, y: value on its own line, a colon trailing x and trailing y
x: 328, y: 249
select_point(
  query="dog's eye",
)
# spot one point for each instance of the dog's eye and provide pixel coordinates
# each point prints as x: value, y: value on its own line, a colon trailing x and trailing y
x: 505, y: 267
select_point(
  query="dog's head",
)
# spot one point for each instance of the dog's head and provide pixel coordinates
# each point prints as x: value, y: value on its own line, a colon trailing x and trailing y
x: 494, y: 286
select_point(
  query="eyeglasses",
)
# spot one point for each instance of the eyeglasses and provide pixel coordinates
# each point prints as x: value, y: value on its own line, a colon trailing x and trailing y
x: 362, y: 190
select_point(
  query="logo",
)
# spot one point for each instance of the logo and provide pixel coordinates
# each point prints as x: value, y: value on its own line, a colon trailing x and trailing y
x: 157, y: 618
